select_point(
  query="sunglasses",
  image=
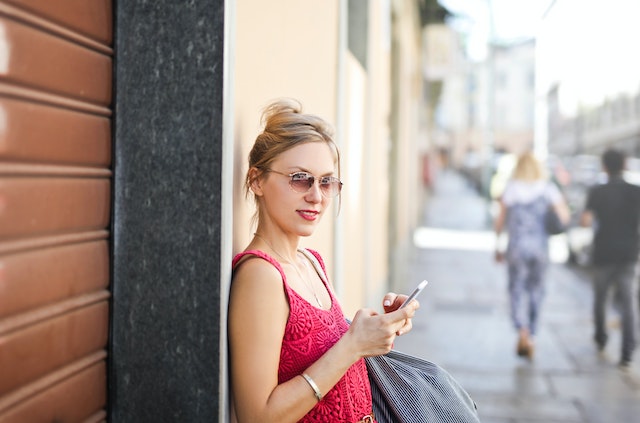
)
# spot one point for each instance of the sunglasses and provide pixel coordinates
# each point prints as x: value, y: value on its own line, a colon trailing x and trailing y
x: 302, y: 182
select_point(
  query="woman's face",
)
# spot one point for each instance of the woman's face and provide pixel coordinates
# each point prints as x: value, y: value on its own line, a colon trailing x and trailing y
x: 293, y: 212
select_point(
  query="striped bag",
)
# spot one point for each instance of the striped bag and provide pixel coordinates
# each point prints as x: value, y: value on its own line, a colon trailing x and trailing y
x: 408, y: 389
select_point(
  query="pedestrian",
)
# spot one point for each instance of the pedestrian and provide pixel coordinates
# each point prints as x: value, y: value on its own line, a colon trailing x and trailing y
x: 293, y: 356
x: 523, y: 205
x: 613, y: 210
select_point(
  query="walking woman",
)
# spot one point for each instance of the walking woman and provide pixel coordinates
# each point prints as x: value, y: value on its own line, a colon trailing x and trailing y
x: 293, y: 356
x: 523, y: 206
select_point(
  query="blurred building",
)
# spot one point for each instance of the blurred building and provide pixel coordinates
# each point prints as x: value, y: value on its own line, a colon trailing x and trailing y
x: 588, y: 100
x: 487, y: 108
x: 613, y: 123
x: 514, y: 91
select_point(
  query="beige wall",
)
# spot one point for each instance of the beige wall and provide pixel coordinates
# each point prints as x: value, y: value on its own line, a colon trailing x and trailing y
x: 407, y: 114
x: 375, y: 199
x: 283, y: 51
x: 297, y: 48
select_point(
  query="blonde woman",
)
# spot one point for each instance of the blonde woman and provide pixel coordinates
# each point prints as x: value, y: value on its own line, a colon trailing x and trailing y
x: 523, y: 206
x: 293, y: 356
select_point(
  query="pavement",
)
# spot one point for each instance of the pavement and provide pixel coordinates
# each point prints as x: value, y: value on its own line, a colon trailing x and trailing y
x: 463, y: 325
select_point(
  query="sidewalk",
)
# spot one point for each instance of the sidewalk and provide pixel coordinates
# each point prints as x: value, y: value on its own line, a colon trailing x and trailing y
x: 464, y: 326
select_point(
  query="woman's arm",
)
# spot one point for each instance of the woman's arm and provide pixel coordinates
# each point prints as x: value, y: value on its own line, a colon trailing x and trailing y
x: 257, y: 317
x: 498, y: 225
x: 562, y: 209
x: 258, y: 313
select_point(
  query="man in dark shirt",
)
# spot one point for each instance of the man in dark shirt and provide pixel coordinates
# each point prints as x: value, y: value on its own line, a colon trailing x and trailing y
x: 613, y: 209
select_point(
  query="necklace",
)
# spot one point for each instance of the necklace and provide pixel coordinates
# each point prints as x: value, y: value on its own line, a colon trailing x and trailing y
x: 307, y: 284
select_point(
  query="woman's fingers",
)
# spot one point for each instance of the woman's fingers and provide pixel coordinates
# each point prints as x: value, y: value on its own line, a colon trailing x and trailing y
x: 389, y: 302
x: 398, y: 321
x: 401, y: 318
x: 375, y: 333
x: 393, y: 301
x: 408, y: 325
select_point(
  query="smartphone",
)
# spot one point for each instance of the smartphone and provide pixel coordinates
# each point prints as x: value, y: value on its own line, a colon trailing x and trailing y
x: 415, y: 292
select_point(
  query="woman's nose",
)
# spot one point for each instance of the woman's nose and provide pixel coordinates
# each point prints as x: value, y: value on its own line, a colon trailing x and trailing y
x: 315, y: 193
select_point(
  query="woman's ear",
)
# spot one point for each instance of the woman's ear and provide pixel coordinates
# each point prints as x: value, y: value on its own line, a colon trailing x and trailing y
x: 255, y: 178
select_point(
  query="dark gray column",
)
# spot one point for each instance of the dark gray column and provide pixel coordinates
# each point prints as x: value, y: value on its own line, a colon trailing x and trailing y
x: 165, y: 327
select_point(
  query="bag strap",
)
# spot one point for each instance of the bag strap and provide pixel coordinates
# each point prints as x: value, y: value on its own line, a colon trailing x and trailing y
x: 316, y: 264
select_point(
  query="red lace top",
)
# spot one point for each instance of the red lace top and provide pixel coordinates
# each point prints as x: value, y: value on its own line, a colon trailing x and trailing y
x: 309, y: 333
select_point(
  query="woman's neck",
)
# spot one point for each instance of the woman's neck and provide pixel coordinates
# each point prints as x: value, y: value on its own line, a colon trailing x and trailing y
x: 287, y: 254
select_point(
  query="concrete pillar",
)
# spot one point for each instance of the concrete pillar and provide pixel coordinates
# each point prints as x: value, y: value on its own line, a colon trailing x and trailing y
x: 165, y: 321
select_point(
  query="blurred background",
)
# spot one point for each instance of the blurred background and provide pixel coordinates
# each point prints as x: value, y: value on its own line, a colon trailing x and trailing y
x: 124, y: 133
x: 413, y: 87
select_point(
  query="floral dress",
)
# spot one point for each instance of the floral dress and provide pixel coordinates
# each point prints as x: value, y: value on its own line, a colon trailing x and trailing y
x: 309, y: 333
x: 528, y: 248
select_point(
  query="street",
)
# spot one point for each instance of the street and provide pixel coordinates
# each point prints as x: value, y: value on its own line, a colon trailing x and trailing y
x: 463, y: 325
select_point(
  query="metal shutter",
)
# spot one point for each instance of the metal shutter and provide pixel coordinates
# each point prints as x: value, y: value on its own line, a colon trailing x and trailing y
x: 55, y: 208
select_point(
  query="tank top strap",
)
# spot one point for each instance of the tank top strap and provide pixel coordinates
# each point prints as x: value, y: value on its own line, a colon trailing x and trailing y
x: 261, y: 254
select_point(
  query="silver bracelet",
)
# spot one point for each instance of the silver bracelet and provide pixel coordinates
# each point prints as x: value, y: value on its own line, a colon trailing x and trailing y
x: 316, y: 390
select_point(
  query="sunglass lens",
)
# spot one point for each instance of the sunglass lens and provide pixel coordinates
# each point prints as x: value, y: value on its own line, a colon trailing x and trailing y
x: 302, y: 182
x: 330, y: 186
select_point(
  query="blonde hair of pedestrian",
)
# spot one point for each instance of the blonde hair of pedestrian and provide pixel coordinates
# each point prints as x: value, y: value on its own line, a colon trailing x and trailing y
x: 285, y: 127
x: 528, y: 168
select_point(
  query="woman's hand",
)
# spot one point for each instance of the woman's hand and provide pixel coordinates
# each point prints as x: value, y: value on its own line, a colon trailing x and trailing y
x: 392, y: 302
x: 374, y: 333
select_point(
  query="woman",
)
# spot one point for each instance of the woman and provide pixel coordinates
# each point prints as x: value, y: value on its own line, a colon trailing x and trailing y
x: 523, y: 206
x: 293, y: 355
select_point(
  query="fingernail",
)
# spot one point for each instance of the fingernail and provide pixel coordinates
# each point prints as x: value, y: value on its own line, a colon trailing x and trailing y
x: 387, y: 303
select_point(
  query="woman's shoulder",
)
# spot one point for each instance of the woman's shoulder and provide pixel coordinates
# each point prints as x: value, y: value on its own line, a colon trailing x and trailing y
x: 552, y: 191
x: 255, y: 263
x: 523, y: 191
x: 248, y: 254
x: 514, y: 188
x: 256, y: 279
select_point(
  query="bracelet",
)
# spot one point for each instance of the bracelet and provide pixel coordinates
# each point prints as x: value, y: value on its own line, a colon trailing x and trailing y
x: 316, y: 390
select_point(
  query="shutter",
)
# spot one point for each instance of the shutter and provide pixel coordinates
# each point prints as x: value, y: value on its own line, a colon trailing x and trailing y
x: 55, y: 208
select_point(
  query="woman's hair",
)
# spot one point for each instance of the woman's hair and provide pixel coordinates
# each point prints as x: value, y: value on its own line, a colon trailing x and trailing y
x: 528, y: 168
x: 285, y: 126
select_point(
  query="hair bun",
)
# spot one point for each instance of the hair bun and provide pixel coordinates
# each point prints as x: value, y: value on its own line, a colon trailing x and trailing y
x: 283, y: 106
